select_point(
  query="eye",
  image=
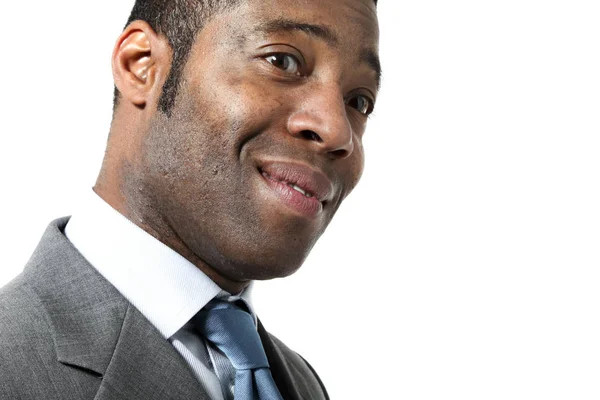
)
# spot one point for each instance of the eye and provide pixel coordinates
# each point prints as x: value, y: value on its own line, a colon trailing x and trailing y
x: 285, y: 62
x: 361, y: 103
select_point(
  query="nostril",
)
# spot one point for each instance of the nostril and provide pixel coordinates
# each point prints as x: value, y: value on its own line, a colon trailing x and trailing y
x: 340, y: 153
x: 310, y: 135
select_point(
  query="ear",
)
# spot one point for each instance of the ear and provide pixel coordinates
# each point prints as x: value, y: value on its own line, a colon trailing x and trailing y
x: 140, y: 62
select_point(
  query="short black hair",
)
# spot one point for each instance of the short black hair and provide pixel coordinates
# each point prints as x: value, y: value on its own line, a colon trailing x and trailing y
x: 179, y: 21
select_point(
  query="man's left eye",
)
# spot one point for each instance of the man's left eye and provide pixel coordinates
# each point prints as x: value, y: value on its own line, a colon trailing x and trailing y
x: 362, y: 104
x: 285, y: 62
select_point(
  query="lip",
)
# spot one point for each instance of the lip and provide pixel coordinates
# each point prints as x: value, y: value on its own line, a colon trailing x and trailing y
x: 281, y: 175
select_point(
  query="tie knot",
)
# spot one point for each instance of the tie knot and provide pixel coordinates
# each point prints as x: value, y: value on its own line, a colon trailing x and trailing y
x: 232, y: 330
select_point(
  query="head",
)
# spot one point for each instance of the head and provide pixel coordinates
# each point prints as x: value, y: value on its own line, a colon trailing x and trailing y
x: 238, y: 126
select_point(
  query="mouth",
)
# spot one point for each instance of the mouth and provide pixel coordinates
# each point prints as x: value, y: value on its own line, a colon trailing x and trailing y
x: 299, y: 187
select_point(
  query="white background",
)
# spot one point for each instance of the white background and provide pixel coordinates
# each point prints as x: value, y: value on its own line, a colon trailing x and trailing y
x: 465, y: 265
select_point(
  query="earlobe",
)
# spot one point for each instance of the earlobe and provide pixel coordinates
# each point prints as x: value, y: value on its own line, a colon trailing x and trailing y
x: 135, y: 63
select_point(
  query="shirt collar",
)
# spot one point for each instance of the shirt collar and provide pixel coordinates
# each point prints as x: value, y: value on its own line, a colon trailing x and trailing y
x: 164, y: 286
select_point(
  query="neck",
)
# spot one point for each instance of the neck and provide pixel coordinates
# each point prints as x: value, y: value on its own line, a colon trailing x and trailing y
x: 118, y: 184
x: 161, y: 231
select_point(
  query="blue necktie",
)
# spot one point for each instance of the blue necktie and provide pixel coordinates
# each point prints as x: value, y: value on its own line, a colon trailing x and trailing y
x: 232, y: 331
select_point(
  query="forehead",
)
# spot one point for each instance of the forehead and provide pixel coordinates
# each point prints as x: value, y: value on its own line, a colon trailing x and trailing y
x: 352, y: 22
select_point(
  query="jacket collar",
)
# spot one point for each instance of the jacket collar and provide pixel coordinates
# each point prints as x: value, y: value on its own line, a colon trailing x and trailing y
x: 94, y: 327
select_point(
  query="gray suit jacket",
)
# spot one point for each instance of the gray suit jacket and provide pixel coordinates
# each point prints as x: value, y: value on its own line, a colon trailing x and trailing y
x: 67, y: 333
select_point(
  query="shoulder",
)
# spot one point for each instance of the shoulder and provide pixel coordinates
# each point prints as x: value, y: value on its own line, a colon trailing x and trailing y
x: 21, y: 314
x: 25, y: 339
x: 29, y: 367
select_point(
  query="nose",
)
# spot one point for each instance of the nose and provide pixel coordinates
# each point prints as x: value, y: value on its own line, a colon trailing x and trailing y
x: 322, y: 120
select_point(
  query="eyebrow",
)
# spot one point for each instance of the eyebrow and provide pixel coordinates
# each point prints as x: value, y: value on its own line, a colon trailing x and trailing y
x: 322, y: 32
x: 287, y: 25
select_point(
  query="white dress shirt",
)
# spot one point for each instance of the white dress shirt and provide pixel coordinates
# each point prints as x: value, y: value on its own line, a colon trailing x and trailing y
x: 165, y: 287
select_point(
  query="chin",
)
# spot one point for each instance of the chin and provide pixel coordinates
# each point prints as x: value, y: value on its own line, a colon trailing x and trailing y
x: 247, y: 271
x: 260, y: 262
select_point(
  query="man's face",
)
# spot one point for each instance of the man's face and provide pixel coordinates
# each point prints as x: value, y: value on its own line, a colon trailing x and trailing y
x: 265, y: 138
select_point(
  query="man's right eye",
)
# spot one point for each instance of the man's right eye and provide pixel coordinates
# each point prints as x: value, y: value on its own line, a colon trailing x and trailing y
x: 285, y: 62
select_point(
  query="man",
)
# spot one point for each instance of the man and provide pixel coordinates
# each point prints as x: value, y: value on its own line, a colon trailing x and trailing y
x: 236, y: 135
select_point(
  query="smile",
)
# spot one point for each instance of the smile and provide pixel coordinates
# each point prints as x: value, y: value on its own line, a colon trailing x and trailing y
x: 299, y: 187
x: 290, y: 184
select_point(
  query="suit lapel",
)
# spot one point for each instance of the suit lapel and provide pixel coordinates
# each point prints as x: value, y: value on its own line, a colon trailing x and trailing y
x: 146, y: 366
x: 280, y: 369
x: 96, y: 329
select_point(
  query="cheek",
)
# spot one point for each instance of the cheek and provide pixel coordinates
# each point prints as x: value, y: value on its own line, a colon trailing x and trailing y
x: 248, y: 98
x: 233, y: 115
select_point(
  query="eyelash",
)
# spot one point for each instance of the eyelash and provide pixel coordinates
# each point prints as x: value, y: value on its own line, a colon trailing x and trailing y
x: 369, y: 102
x: 292, y: 57
x: 370, y: 105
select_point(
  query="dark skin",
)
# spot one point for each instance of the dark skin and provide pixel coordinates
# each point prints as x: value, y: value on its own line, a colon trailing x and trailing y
x: 259, y: 86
